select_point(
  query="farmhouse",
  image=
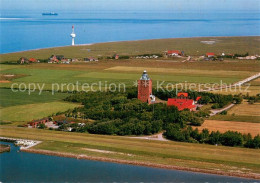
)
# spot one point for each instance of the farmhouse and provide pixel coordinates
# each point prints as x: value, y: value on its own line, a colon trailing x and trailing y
x: 210, y: 55
x: 33, y: 60
x: 90, y: 59
x: 35, y: 123
x: 23, y: 60
x: 174, y: 53
x: 56, y: 58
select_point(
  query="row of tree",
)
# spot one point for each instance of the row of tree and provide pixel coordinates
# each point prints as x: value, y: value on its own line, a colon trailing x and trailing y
x: 229, y: 138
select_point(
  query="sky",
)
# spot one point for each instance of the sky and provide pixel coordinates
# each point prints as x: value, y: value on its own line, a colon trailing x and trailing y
x: 131, y: 5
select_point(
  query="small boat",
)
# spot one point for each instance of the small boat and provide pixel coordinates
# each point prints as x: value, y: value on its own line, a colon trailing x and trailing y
x: 50, y: 13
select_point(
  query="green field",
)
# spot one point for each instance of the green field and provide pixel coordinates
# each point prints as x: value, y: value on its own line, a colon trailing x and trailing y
x: 29, y: 112
x: 10, y: 98
x: 243, y: 112
x: 200, y: 156
x: 20, y: 106
x: 240, y: 118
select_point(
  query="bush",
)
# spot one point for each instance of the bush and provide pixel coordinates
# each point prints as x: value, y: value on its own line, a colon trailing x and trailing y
x: 174, y: 132
x: 42, y: 126
x: 223, y: 112
x: 253, y: 143
x: 238, y: 99
x: 215, y: 106
x: 196, y: 121
x: 215, y: 138
x: 231, y: 138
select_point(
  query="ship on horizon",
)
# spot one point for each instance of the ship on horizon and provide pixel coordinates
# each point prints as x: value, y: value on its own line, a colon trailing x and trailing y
x: 50, y: 13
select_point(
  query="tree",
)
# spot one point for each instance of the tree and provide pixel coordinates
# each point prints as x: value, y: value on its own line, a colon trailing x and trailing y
x: 204, y: 136
x: 204, y: 100
x: 238, y: 99
x: 223, y: 112
x: 196, y: 121
x: 42, y: 126
x: 230, y: 138
x: 214, y: 138
x: 173, y: 132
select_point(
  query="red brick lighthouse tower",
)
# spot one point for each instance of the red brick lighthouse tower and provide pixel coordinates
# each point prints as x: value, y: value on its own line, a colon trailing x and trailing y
x: 145, y: 88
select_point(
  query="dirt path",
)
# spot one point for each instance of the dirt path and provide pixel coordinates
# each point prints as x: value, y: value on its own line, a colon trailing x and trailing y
x: 239, y: 83
x: 158, y: 136
x: 216, y: 111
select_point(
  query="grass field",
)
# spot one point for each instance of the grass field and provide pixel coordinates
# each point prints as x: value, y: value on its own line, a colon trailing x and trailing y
x: 201, y: 156
x: 20, y: 106
x: 246, y: 109
x: 223, y: 126
x: 129, y: 71
x: 242, y: 112
x: 244, y: 90
x: 29, y: 112
x: 252, y: 119
x: 10, y: 98
x: 191, y: 46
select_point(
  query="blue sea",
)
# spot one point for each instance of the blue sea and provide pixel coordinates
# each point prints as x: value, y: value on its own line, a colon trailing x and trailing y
x: 27, y: 167
x: 26, y: 30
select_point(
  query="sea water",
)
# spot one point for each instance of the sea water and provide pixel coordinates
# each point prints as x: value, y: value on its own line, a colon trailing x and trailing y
x: 25, y: 30
x: 28, y: 167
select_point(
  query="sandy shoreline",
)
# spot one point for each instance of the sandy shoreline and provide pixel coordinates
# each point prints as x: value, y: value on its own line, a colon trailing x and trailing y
x: 136, y: 163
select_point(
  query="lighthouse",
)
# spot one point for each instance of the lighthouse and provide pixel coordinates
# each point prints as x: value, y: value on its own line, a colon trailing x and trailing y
x: 73, y: 35
x: 145, y: 89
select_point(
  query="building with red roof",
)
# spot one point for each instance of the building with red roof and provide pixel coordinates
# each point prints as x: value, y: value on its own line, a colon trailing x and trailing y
x: 182, y: 104
x: 182, y: 95
x: 33, y: 60
x: 198, y: 98
x: 174, y: 52
x: 210, y: 54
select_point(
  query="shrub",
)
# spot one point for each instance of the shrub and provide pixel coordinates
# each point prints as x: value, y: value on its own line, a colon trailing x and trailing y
x: 215, y: 138
x: 231, y: 138
x: 215, y: 106
x: 223, y: 112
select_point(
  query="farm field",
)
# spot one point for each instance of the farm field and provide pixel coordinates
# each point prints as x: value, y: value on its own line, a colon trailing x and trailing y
x: 244, y: 90
x: 205, y: 157
x: 129, y: 71
x: 29, y: 112
x: 242, y: 112
x: 20, y: 106
x: 10, y: 98
x: 246, y: 109
x: 223, y: 126
x: 252, y: 119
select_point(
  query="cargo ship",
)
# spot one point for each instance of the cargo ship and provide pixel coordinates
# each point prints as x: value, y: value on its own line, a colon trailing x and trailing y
x: 50, y: 13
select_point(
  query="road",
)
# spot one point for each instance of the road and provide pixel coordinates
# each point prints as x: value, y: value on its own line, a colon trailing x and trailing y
x: 216, y: 111
x: 158, y: 136
x: 239, y: 83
